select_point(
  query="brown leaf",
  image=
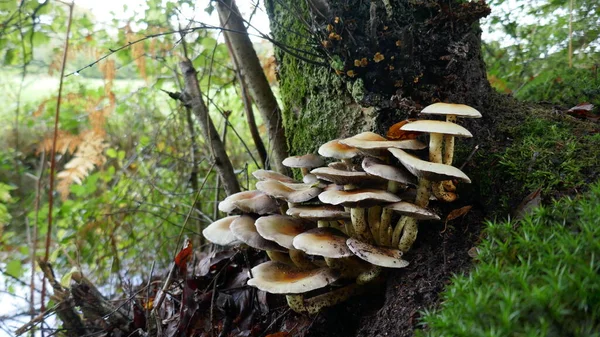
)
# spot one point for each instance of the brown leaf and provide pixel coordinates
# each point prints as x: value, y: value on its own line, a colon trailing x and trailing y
x: 278, y: 334
x: 457, y: 213
x: 394, y: 132
x: 184, y: 256
x: 528, y: 204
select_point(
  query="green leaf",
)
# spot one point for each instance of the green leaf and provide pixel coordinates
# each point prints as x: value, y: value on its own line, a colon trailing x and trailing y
x: 14, y: 268
x: 111, y: 153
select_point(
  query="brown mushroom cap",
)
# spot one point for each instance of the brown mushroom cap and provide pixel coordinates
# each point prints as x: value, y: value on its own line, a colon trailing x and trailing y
x: 428, y: 170
x: 280, y: 228
x: 440, y: 127
x: 249, y: 202
x: 375, y: 167
x: 379, y: 256
x: 324, y: 241
x: 341, y: 177
x: 337, y: 150
x: 243, y: 229
x: 219, y: 232
x: 413, y: 211
x: 372, y: 141
x: 458, y: 110
x: 290, y: 192
x: 306, y: 161
x: 280, y: 278
x: 357, y: 198
x: 321, y: 212
x: 271, y: 175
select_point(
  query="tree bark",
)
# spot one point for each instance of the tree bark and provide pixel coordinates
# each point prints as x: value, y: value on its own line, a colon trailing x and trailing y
x: 257, y: 81
x: 218, y: 153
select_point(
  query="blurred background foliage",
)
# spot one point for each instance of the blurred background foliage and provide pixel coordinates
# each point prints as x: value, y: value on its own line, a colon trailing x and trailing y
x: 125, y: 146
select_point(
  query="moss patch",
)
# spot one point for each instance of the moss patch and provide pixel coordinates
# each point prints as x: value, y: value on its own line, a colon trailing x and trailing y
x: 537, y: 277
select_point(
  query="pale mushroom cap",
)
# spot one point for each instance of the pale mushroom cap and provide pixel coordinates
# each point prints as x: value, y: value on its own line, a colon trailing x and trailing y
x: 372, y: 141
x: 290, y: 192
x: 413, y: 211
x: 441, y: 127
x: 458, y: 110
x: 306, y: 161
x: 280, y: 228
x: 379, y: 256
x: 249, y: 202
x: 357, y: 198
x: 337, y: 150
x: 321, y: 212
x: 219, y: 233
x: 272, y: 175
x: 243, y: 229
x: 342, y: 177
x: 375, y: 167
x: 428, y: 170
x: 280, y: 278
x: 324, y: 241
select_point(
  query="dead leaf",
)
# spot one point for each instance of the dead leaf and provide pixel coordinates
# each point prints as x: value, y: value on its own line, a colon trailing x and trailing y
x: 530, y: 202
x: 278, y: 334
x: 184, y: 256
x: 473, y: 252
x: 457, y: 213
x: 584, y: 110
x: 394, y: 132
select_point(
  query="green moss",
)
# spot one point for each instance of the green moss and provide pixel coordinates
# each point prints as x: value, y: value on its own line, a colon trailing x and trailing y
x: 317, y: 106
x: 536, y: 277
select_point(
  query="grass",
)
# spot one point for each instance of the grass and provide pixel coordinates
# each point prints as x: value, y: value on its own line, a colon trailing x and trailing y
x: 536, y: 277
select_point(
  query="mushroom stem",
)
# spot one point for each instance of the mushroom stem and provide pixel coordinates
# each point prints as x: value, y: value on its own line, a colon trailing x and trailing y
x: 435, y: 147
x: 398, y: 230
x: 410, y: 230
x: 359, y: 223
x: 322, y: 223
x: 369, y: 275
x: 279, y: 257
x: 299, y: 259
x: 304, y: 171
x: 374, y: 214
x: 349, y: 229
x: 315, y: 304
x: 438, y: 189
x: 386, y: 215
x: 296, y: 303
x: 449, y: 154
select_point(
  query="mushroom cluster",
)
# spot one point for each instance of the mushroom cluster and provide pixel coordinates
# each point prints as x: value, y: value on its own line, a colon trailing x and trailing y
x: 334, y: 231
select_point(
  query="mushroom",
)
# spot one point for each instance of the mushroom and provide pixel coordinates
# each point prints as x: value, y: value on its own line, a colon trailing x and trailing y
x: 243, y: 229
x: 379, y: 256
x: 373, y: 144
x: 409, y: 210
x: 304, y: 162
x: 427, y: 172
x: 451, y: 111
x: 290, y: 192
x: 357, y: 200
x: 326, y: 242
x: 282, y: 230
x: 438, y: 130
x: 249, y: 202
x: 337, y: 150
x: 219, y: 232
x: 342, y: 177
x: 271, y: 175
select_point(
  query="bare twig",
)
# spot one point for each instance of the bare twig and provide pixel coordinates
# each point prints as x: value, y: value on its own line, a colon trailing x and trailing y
x: 218, y: 153
x: 53, y: 153
x: 469, y: 157
x: 259, y: 86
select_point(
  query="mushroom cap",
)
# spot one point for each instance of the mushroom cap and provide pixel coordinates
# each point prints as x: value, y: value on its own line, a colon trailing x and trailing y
x: 377, y: 168
x: 272, y: 175
x: 372, y: 141
x: 379, y: 256
x: 320, y: 212
x: 306, y: 161
x: 342, y: 177
x: 458, y: 110
x: 358, y: 197
x: 290, y: 192
x: 413, y: 211
x: 219, y: 232
x: 280, y: 228
x: 249, y: 202
x: 428, y: 170
x: 280, y: 278
x: 337, y: 150
x: 324, y: 241
x: 243, y: 229
x: 430, y: 126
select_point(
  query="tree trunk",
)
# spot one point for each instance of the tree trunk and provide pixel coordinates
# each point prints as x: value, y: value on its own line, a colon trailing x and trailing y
x: 383, y: 61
